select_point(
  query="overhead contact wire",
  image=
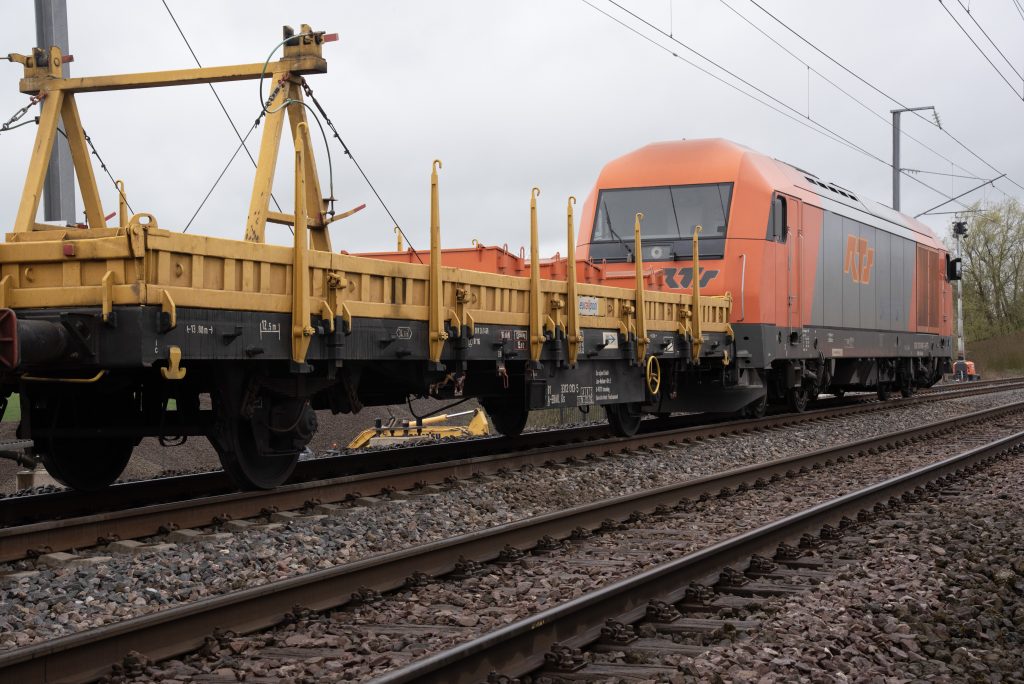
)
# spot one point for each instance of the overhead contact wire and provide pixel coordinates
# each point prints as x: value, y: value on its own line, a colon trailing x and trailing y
x: 238, y: 149
x: 835, y: 85
x: 348, y: 153
x: 880, y: 91
x: 800, y: 117
x: 984, y: 54
x: 215, y: 93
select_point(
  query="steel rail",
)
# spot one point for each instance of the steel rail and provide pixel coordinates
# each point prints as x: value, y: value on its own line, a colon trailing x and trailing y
x: 519, y: 648
x: 21, y: 510
x: 83, y: 531
x: 177, y: 630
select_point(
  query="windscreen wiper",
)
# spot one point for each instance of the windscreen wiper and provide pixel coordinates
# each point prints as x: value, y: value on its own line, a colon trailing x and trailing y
x: 618, y: 238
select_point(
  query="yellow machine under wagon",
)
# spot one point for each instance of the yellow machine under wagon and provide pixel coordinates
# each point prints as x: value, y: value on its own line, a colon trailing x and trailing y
x: 102, y: 326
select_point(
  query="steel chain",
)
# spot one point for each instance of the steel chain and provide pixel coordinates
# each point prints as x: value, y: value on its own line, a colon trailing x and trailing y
x: 36, y: 99
x: 273, y: 94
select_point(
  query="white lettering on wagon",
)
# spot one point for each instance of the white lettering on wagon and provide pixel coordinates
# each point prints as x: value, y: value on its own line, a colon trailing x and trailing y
x: 198, y: 329
x: 270, y: 329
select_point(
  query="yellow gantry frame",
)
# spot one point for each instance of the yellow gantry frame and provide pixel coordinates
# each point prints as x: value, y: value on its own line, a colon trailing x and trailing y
x: 43, y: 78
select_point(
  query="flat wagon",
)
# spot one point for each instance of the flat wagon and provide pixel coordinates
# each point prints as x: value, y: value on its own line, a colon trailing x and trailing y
x: 111, y: 333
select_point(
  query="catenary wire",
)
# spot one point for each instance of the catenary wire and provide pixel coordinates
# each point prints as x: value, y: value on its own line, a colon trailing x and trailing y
x: 215, y: 93
x: 835, y: 85
x: 1019, y: 8
x: 824, y: 129
x: 880, y: 91
x: 102, y: 165
x: 238, y: 149
x: 801, y: 119
x: 989, y: 38
x: 943, y: 173
x: 984, y: 54
x: 348, y: 153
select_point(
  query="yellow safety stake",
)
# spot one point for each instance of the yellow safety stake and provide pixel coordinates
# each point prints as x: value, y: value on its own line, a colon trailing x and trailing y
x: 122, y: 205
x: 573, y: 336
x: 436, y: 318
x: 640, y: 313
x: 537, y: 314
x: 698, y: 340
x: 301, y: 311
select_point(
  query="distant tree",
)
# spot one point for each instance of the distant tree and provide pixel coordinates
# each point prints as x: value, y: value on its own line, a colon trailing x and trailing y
x: 993, y: 264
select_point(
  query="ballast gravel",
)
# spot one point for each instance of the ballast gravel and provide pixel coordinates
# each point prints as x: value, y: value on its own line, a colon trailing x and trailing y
x: 388, y: 632
x: 936, y: 595
x: 57, y: 601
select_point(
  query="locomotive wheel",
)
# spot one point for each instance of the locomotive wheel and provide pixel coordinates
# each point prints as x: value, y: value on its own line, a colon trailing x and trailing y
x: 624, y: 419
x: 87, y: 465
x: 248, y: 460
x: 508, y: 421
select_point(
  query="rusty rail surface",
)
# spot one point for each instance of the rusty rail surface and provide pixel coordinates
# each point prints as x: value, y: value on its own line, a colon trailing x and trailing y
x: 177, y: 630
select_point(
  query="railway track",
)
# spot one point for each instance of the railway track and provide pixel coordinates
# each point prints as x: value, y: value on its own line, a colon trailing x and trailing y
x: 67, y: 520
x: 688, y: 595
x: 181, y: 629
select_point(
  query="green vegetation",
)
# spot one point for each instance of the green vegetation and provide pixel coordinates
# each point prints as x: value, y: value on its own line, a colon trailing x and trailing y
x: 993, y: 255
x: 13, y: 412
x: 1002, y: 355
x: 993, y: 287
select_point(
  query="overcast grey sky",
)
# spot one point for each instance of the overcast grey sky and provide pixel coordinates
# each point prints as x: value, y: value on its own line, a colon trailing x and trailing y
x: 515, y: 94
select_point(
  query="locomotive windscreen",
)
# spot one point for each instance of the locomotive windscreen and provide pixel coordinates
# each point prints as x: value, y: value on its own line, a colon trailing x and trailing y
x: 670, y: 215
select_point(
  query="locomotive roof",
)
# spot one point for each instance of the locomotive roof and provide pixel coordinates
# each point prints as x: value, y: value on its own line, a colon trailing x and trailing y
x: 683, y: 162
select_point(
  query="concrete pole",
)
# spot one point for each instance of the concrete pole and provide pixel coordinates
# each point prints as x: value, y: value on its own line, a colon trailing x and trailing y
x: 896, y: 159
x: 896, y: 151
x: 59, y: 187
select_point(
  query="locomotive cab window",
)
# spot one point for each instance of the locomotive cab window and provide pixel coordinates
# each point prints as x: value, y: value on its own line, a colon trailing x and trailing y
x: 777, y: 220
x: 670, y: 215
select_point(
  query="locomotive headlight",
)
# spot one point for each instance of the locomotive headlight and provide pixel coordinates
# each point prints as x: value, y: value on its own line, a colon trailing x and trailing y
x: 657, y: 252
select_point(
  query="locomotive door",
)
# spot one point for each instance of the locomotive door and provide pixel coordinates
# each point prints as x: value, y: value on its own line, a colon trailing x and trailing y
x: 794, y: 235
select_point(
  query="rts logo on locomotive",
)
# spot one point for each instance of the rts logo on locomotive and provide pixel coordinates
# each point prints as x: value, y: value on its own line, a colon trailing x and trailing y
x: 860, y: 259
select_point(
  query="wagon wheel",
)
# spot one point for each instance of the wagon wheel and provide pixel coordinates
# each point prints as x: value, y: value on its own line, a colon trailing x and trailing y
x: 884, y: 391
x: 756, y: 409
x: 624, y: 419
x: 86, y: 465
x: 508, y: 420
x: 258, y: 446
x: 797, y: 398
x: 247, y: 457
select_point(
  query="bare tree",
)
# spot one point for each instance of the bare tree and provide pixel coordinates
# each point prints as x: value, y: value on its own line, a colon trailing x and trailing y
x: 993, y: 254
